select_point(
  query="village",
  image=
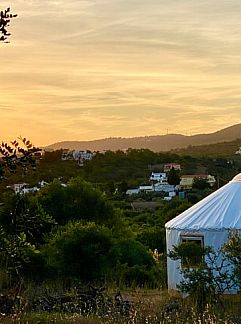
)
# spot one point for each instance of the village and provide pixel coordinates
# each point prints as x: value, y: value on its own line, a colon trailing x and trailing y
x: 134, y: 206
x: 120, y: 162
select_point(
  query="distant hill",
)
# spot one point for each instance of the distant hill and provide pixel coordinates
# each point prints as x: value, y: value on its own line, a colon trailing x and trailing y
x: 222, y: 150
x: 154, y: 143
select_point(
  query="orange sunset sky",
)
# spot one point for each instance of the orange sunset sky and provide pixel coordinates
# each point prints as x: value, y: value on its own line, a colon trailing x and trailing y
x: 88, y: 69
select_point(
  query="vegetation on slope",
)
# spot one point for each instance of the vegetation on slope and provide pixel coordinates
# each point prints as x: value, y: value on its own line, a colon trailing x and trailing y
x: 87, y: 232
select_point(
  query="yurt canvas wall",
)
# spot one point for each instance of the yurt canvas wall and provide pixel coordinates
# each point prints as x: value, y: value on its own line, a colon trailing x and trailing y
x: 208, y: 222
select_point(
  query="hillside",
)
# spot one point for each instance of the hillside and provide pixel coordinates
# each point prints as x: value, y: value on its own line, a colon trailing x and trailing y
x: 154, y: 143
x: 223, y: 149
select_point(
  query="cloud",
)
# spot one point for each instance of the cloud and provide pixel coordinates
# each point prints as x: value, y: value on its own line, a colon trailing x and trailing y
x: 92, y: 68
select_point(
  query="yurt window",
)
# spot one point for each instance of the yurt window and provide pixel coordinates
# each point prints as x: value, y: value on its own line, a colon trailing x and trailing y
x: 192, y: 250
x: 195, y: 239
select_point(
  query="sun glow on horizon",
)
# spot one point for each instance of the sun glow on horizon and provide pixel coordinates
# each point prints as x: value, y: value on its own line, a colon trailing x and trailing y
x: 120, y: 69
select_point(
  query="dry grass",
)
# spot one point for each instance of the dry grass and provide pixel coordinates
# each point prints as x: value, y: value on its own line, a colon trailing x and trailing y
x: 43, y: 318
x: 148, y: 307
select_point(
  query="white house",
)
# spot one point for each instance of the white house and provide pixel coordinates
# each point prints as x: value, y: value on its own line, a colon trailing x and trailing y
x: 29, y: 190
x: 159, y: 177
x: 238, y: 152
x: 166, y: 187
x: 134, y: 191
x: 67, y: 155
x: 77, y: 155
x: 18, y: 187
x: 83, y: 155
x: 22, y: 188
x: 146, y: 188
x: 208, y: 223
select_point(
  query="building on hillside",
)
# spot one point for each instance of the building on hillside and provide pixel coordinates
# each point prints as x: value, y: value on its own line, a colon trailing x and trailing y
x: 134, y: 191
x: 38, y: 155
x: 67, y: 155
x: 165, y: 187
x: 18, y: 187
x: 81, y: 156
x: 43, y: 183
x: 77, y: 155
x: 238, y: 152
x: 159, y: 177
x: 22, y: 188
x: 156, y: 187
x: 168, y: 166
x: 209, y: 223
x: 146, y: 188
x: 29, y: 190
x: 188, y: 179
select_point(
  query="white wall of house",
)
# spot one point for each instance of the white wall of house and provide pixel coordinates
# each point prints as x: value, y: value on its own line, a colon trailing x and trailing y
x: 158, y: 176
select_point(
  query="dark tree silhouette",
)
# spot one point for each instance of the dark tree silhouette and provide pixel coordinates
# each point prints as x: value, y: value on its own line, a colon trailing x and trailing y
x: 17, y: 154
x: 5, y: 18
x: 173, y: 177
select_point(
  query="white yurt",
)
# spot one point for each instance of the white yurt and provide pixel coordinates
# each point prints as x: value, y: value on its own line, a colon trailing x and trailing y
x: 208, y: 222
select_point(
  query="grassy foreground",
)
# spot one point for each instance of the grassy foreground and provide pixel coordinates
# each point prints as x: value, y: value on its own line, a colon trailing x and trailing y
x: 147, y: 307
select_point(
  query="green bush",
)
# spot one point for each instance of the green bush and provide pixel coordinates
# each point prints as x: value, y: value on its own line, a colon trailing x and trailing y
x: 79, y: 200
x: 36, y: 268
x: 139, y: 276
x: 132, y: 253
x: 79, y: 251
x: 153, y: 238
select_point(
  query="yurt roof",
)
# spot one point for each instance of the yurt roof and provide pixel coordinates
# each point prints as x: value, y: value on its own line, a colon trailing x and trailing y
x: 220, y: 210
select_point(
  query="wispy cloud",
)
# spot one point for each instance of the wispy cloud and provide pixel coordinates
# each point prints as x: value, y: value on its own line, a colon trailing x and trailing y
x: 85, y: 69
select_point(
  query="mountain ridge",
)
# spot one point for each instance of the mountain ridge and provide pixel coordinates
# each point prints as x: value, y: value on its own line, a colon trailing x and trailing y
x: 155, y: 143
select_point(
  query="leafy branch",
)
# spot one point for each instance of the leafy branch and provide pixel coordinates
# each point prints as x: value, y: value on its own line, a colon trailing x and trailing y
x: 18, y: 154
x: 5, y: 18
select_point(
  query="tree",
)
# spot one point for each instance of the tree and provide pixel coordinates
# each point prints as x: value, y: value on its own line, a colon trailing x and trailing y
x: 5, y: 17
x: 153, y: 238
x: 232, y: 249
x: 23, y: 226
x: 15, y: 248
x: 23, y: 214
x: 200, y: 184
x: 132, y: 253
x: 15, y: 253
x: 122, y: 187
x: 205, y: 272
x: 78, y: 200
x: 18, y: 154
x: 79, y: 250
x: 173, y: 177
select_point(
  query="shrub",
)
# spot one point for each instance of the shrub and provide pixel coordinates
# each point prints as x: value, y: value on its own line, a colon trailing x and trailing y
x: 153, y: 238
x: 79, y: 200
x: 132, y: 253
x: 139, y: 276
x: 79, y: 251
